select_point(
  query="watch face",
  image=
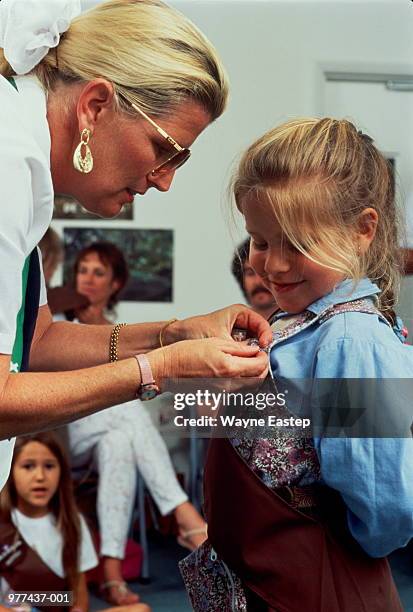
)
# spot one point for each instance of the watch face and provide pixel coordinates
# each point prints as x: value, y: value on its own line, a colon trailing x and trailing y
x: 148, y: 392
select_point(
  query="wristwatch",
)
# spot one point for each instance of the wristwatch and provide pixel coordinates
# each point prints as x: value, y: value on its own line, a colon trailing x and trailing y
x: 148, y: 388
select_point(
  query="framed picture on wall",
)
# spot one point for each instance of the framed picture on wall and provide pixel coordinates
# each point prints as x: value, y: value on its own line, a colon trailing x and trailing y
x: 66, y: 207
x: 148, y: 252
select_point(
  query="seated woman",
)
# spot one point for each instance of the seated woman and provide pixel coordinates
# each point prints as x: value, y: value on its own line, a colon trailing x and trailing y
x: 45, y: 543
x: 123, y: 438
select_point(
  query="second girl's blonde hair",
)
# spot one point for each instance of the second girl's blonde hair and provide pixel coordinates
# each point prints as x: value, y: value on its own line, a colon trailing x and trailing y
x: 153, y: 55
x: 318, y: 175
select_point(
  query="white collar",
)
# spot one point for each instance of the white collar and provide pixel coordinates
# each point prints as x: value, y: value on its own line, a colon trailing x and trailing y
x: 33, y: 106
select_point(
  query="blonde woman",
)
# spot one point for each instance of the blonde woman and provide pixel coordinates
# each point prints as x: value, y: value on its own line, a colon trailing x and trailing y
x: 102, y: 106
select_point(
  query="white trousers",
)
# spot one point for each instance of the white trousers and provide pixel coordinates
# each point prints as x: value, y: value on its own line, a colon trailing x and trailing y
x: 120, y: 440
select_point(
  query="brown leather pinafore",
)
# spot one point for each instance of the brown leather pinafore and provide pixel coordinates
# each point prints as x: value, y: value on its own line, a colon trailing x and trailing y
x: 293, y: 559
x: 24, y: 570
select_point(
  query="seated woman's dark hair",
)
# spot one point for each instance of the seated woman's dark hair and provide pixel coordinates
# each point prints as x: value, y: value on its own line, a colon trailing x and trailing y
x: 110, y: 255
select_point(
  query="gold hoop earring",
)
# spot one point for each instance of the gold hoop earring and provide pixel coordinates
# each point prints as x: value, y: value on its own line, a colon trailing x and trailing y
x: 83, y: 163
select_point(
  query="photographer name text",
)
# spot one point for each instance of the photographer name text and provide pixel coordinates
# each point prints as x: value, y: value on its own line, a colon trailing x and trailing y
x: 245, y: 423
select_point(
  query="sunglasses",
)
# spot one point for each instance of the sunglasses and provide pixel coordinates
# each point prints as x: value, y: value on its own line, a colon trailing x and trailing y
x: 177, y: 159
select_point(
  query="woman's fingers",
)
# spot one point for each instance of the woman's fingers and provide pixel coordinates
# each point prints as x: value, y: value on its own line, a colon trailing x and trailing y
x: 220, y: 324
x: 257, y: 326
x: 230, y: 359
x: 242, y: 317
x: 242, y: 349
x: 254, y: 367
x: 208, y: 358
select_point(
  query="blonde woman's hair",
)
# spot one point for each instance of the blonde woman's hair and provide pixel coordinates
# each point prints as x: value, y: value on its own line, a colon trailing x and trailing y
x: 153, y: 55
x: 318, y: 175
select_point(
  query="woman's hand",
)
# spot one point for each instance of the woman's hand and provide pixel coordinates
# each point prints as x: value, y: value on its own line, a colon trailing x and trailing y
x: 207, y: 358
x: 220, y: 324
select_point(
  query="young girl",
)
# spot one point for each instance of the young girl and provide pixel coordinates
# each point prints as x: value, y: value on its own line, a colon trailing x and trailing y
x: 298, y: 523
x: 45, y: 544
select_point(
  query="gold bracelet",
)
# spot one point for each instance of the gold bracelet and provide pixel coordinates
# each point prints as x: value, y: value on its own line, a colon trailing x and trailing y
x: 114, y: 341
x: 167, y: 324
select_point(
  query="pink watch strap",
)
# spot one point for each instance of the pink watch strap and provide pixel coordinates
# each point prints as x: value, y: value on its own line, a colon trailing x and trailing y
x: 146, y: 370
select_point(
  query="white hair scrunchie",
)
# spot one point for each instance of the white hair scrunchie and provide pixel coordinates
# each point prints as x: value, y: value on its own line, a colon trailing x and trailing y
x: 29, y: 28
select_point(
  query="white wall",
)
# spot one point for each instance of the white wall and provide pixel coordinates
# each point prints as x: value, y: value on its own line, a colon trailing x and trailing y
x: 274, y: 53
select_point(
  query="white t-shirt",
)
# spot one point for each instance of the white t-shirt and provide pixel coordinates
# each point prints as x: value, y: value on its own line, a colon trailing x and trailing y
x: 44, y: 537
x: 26, y: 203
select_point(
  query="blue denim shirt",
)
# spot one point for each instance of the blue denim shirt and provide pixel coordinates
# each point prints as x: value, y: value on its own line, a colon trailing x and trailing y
x: 373, y: 475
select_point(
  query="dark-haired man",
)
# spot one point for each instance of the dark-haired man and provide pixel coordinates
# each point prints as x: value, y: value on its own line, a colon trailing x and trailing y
x: 251, y: 285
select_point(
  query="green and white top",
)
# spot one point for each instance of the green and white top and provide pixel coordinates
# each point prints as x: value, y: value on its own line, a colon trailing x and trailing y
x: 26, y: 206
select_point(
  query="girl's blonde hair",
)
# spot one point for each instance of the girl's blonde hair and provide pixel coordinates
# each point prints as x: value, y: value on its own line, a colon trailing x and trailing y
x: 153, y: 55
x: 318, y: 175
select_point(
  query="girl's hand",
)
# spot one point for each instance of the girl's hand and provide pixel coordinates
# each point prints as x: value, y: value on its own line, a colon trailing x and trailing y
x: 207, y: 358
x: 219, y: 324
